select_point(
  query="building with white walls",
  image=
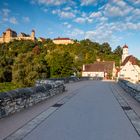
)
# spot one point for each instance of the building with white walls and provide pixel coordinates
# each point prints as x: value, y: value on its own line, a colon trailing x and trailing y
x: 129, y: 69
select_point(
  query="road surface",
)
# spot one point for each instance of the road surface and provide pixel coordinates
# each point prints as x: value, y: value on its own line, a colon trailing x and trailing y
x: 90, y: 110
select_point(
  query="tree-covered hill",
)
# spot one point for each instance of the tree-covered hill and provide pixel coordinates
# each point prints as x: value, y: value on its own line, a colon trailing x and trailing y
x: 22, y: 62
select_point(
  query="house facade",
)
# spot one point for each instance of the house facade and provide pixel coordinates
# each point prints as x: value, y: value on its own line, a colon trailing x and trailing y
x: 64, y: 41
x: 10, y: 35
x: 129, y: 69
x: 105, y: 70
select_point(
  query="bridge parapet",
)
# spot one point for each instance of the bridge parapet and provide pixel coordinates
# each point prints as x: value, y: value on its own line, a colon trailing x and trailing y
x: 132, y: 89
x: 16, y: 100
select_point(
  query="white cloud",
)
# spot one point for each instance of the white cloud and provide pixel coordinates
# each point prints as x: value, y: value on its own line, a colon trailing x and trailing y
x: 50, y: 2
x: 120, y: 3
x: 84, y: 14
x: 64, y: 14
x: 135, y: 2
x: 103, y: 19
x: 83, y: 20
x: 95, y: 15
x: 136, y: 12
x: 117, y: 8
x: 106, y: 31
x: 13, y: 20
x: 132, y: 26
x: 67, y: 8
x: 67, y: 14
x: 75, y: 33
x: 101, y: 34
x: 80, y: 20
x: 5, y: 12
x: 67, y: 25
x: 89, y: 20
x: 5, y: 19
x: 26, y: 19
x: 88, y: 2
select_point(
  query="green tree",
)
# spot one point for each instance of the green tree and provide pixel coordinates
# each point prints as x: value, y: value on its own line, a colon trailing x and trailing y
x: 61, y: 63
x: 118, y: 51
x: 28, y: 67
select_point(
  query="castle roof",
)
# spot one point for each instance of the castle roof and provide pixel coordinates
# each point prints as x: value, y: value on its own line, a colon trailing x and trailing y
x: 24, y: 35
x: 131, y: 59
x: 8, y: 29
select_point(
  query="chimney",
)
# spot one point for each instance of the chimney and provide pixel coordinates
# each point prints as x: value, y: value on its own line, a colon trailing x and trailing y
x: 83, y: 67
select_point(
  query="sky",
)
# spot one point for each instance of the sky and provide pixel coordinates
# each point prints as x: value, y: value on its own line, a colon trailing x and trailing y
x: 113, y: 21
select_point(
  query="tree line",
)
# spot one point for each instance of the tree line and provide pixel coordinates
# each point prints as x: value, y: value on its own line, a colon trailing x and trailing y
x: 22, y: 62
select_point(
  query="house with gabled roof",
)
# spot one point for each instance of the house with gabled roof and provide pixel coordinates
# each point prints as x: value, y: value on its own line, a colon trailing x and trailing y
x: 129, y: 70
x: 102, y: 69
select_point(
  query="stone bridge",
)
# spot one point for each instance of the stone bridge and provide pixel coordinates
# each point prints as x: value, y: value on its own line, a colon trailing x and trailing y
x: 87, y: 110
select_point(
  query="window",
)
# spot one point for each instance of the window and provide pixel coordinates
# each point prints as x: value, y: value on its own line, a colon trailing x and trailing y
x: 88, y: 75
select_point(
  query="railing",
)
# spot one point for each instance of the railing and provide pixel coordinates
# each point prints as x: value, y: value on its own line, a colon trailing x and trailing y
x: 130, y: 88
x: 16, y: 100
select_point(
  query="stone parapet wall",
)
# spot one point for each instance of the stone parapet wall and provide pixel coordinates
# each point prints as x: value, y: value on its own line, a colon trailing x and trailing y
x: 132, y: 89
x: 17, y: 100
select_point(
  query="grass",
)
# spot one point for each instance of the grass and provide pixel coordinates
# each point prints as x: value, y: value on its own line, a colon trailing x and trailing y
x: 8, y: 86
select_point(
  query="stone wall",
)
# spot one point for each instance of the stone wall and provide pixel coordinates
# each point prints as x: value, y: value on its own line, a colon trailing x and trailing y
x: 19, y: 99
x: 130, y: 88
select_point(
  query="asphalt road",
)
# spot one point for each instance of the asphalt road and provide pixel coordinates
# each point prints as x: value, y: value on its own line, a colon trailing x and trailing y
x: 90, y: 111
x: 14, y: 122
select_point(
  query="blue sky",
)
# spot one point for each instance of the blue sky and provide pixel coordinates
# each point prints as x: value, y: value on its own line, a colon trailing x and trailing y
x: 113, y: 21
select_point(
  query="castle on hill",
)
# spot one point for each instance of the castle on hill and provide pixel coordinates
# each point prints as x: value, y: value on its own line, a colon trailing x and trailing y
x: 10, y: 35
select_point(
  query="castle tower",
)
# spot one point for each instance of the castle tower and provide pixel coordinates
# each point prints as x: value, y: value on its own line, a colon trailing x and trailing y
x: 8, y: 35
x: 125, y: 52
x: 3, y: 37
x: 33, y: 35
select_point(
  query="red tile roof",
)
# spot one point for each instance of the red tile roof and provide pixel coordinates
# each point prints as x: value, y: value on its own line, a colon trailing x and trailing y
x: 130, y: 58
x: 62, y: 38
x: 106, y: 66
x: 125, y: 46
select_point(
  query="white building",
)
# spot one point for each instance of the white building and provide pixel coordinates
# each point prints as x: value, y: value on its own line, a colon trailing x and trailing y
x: 129, y: 69
x: 64, y: 41
x: 105, y: 70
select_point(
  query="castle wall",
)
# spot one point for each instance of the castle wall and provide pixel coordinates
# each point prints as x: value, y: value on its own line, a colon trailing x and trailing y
x: 24, y: 38
x: 10, y: 35
x: 1, y: 40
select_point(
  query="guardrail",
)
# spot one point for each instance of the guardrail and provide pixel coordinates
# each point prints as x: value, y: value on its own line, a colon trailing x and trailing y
x: 130, y: 88
x: 16, y: 100
x: 64, y: 80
